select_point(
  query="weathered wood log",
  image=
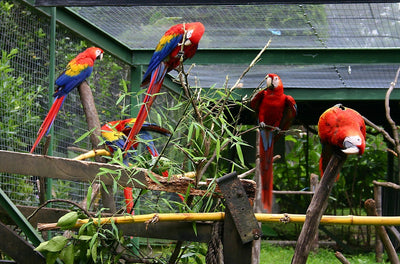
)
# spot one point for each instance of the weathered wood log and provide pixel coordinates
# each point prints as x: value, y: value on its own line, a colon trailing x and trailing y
x: 371, y: 210
x: 317, y: 207
x: 87, y: 171
x: 93, y: 121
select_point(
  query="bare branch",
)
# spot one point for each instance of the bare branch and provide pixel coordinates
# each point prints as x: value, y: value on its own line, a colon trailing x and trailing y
x: 381, y: 130
x: 387, y: 108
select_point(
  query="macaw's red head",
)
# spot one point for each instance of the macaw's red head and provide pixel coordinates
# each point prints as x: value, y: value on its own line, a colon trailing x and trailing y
x: 344, y: 128
x: 274, y: 82
x: 94, y: 53
x: 194, y: 32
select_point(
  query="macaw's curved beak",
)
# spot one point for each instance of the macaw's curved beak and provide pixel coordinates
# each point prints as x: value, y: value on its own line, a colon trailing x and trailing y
x: 100, y: 57
x: 352, y: 145
x: 270, y: 84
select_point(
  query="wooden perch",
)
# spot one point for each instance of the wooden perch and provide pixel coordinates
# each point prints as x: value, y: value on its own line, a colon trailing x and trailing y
x: 93, y: 122
x: 317, y: 207
x: 387, y: 184
x: 371, y: 211
x: 86, y: 171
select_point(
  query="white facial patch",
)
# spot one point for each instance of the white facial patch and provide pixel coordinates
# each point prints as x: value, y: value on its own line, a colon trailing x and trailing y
x: 189, y: 34
x: 351, y: 143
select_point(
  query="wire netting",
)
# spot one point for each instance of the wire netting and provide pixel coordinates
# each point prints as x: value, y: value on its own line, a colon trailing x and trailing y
x: 24, y: 100
x: 249, y: 26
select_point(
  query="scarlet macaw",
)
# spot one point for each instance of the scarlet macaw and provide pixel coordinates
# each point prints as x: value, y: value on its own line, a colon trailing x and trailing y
x: 342, y: 128
x: 276, y: 112
x: 179, y: 42
x: 77, y: 70
x: 115, y: 133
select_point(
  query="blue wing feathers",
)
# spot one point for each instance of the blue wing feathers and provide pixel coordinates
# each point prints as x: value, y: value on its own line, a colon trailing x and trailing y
x: 67, y: 83
x: 160, y: 55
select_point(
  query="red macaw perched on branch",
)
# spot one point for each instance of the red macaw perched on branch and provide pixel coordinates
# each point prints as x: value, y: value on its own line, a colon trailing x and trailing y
x: 276, y: 112
x: 116, y: 132
x: 78, y: 69
x: 178, y: 44
x: 342, y: 128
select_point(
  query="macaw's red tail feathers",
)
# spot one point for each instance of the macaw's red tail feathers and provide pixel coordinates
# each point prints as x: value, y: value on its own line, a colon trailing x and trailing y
x: 49, y: 120
x: 266, y: 171
x: 129, y: 200
x: 156, y: 82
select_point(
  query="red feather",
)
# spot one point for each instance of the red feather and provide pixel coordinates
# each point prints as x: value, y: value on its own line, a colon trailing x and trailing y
x: 341, y: 128
x: 48, y: 121
x: 77, y: 70
x: 276, y: 112
x: 166, y: 57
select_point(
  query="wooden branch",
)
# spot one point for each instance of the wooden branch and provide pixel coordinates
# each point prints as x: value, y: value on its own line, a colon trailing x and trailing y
x: 93, y: 121
x: 378, y: 242
x: 92, y: 118
x: 388, y: 117
x: 387, y: 184
x: 341, y: 258
x: 371, y: 211
x: 317, y: 207
x: 381, y: 130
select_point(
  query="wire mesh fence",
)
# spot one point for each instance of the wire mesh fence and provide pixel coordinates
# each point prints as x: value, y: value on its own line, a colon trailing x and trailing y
x: 24, y: 96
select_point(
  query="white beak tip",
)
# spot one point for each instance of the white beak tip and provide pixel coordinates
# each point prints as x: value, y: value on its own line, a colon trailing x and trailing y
x: 352, y: 150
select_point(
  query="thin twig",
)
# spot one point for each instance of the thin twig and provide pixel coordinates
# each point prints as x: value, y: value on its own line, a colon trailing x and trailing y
x: 58, y: 201
x: 381, y: 130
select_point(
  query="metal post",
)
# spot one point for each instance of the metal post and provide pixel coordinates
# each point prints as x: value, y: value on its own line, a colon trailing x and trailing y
x: 53, y: 22
x: 136, y: 80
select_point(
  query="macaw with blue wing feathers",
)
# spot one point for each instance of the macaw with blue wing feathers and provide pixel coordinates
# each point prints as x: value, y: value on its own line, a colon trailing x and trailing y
x: 179, y: 43
x: 78, y: 69
x: 276, y: 112
x: 115, y: 133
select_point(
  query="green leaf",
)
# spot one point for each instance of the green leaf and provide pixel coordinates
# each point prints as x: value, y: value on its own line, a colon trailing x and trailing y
x: 194, y: 228
x: 89, y: 196
x: 67, y: 254
x: 86, y: 134
x: 85, y: 237
x: 51, y: 257
x: 217, y: 148
x: 190, y: 132
x: 68, y: 220
x: 240, y: 154
x: 55, y: 244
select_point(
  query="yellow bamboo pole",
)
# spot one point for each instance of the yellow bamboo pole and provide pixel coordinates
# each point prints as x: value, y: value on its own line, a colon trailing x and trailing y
x: 219, y: 216
x: 93, y: 153
x: 103, y: 152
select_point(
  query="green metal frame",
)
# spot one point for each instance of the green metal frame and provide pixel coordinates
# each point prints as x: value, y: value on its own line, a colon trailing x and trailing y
x: 286, y: 56
x: 19, y: 219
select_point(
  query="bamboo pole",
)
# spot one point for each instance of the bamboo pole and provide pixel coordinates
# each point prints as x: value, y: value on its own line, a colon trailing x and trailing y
x: 219, y: 216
